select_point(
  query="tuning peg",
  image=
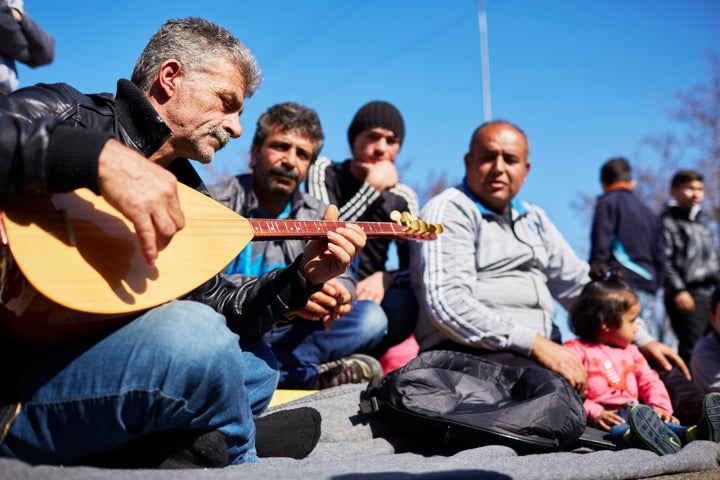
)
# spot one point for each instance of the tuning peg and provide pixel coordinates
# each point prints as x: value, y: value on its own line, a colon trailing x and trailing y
x: 395, y: 216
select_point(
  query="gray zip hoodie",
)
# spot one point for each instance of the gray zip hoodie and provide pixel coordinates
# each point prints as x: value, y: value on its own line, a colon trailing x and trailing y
x: 489, y: 280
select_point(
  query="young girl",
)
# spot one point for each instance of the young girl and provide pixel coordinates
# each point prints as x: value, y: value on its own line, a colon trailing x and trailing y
x: 619, y: 377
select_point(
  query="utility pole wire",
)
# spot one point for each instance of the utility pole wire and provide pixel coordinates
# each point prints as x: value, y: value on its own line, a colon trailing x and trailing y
x: 397, y: 52
x: 313, y: 29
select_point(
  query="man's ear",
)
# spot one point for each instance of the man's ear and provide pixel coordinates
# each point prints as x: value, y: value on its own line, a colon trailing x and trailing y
x: 169, y: 77
x: 254, y: 152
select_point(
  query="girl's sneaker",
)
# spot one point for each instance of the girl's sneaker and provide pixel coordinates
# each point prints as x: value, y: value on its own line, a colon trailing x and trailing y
x: 647, y: 428
x: 709, y: 425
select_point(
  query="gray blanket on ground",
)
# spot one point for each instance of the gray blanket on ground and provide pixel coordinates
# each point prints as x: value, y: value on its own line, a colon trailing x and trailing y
x: 348, y: 450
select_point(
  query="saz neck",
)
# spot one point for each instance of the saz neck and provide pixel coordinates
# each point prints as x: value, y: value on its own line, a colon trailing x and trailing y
x: 279, y: 229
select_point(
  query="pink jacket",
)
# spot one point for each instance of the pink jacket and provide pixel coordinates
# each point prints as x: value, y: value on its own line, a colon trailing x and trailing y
x: 618, y: 376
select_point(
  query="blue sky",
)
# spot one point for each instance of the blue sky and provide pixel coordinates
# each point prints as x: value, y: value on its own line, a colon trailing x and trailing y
x: 586, y: 80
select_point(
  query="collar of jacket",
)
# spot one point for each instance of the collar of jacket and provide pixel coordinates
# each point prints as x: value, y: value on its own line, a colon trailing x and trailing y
x: 676, y: 211
x: 619, y: 186
x: 140, y: 120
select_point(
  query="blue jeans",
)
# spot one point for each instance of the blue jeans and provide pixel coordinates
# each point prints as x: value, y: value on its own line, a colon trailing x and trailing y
x: 176, y: 366
x: 301, y: 345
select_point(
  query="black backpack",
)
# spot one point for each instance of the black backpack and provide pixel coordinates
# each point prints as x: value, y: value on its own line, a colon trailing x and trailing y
x: 458, y: 401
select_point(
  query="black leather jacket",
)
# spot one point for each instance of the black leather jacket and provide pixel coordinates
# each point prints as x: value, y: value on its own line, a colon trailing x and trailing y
x: 692, y: 261
x: 50, y: 140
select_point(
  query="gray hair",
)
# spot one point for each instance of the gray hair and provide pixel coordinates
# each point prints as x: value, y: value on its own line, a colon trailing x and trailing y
x: 196, y: 43
x: 290, y: 116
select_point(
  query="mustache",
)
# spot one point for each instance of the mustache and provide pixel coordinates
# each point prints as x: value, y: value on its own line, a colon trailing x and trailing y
x: 221, y: 135
x: 291, y: 174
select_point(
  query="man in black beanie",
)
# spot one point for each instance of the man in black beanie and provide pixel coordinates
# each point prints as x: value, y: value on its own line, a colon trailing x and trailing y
x: 366, y: 188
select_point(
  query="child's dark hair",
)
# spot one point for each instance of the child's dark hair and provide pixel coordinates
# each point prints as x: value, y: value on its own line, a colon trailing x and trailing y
x: 603, y: 302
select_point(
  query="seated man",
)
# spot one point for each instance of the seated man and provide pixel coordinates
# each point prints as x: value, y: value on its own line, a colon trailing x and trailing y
x: 195, y: 364
x: 287, y: 140
x: 490, y: 279
x: 366, y: 188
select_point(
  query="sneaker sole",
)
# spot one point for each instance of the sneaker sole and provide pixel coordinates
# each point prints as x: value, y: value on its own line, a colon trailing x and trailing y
x: 651, y: 431
x: 372, y: 362
x: 711, y: 407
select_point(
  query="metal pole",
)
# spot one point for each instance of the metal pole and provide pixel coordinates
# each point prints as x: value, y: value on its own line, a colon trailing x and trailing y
x: 484, y: 61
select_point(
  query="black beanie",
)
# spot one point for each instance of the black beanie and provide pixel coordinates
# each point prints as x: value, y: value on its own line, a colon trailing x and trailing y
x: 376, y: 114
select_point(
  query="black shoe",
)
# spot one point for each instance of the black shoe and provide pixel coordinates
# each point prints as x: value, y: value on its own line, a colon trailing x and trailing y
x: 647, y: 428
x: 357, y: 368
x: 709, y: 424
x: 288, y: 433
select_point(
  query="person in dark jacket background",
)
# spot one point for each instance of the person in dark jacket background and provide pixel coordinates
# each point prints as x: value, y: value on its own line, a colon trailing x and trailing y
x: 627, y: 235
x: 21, y: 40
x: 190, y: 366
x: 692, y: 268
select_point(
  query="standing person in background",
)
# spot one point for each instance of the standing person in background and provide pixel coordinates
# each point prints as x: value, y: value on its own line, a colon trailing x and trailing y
x: 366, y: 188
x: 21, y: 40
x: 287, y: 140
x: 627, y: 235
x: 692, y: 268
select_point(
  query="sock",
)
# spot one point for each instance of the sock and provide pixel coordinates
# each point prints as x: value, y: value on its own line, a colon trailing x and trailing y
x: 207, y: 450
x: 288, y: 433
x: 173, y: 449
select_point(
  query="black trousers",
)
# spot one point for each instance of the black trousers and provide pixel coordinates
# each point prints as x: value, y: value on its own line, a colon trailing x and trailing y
x: 690, y: 327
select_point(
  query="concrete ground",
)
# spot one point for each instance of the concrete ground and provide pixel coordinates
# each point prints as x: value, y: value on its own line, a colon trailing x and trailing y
x: 711, y: 475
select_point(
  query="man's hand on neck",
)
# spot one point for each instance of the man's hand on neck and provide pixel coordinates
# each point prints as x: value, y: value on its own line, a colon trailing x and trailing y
x: 380, y: 175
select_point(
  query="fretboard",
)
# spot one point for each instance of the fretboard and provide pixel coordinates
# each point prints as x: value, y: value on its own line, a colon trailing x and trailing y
x: 279, y: 229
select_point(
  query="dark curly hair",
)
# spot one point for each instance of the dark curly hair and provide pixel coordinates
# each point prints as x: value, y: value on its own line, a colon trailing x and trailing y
x: 603, y: 301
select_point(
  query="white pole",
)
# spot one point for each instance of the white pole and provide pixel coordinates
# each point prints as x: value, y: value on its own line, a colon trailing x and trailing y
x: 484, y: 61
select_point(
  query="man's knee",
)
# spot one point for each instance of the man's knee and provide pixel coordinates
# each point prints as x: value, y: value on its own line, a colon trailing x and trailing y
x: 190, y: 339
x: 372, y: 321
